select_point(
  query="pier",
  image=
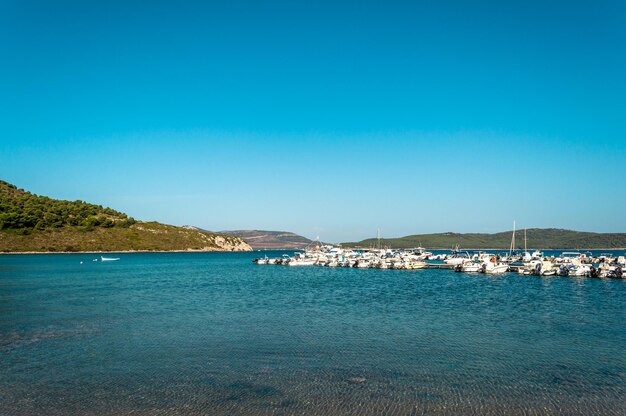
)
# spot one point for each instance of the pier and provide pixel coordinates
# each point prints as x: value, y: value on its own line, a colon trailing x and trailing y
x: 438, y: 266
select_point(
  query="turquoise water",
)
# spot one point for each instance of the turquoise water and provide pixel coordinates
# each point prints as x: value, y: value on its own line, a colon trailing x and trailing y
x: 207, y: 333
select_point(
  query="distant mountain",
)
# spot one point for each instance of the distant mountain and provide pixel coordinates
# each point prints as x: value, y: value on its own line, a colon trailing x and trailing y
x: 33, y: 223
x: 261, y: 239
x: 537, y: 238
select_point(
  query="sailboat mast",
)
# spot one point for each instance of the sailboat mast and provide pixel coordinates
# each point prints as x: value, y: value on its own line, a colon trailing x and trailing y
x: 512, y: 240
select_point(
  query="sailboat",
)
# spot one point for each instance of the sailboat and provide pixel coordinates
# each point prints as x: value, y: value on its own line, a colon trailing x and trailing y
x: 512, y: 241
x: 512, y: 247
x: 527, y: 257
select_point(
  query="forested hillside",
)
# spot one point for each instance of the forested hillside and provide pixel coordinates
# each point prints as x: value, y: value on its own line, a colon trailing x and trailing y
x: 32, y: 223
x: 24, y: 212
x: 538, y: 238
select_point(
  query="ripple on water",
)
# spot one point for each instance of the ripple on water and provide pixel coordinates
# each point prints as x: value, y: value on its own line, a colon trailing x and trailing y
x: 213, y: 334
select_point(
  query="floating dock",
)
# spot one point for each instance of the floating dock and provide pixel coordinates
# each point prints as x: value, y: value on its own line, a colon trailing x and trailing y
x: 439, y: 266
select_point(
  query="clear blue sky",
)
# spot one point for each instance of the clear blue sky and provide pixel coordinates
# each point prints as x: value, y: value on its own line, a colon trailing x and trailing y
x: 327, y: 119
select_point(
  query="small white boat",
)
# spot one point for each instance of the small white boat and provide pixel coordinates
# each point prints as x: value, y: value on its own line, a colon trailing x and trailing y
x: 611, y: 271
x: 496, y: 268
x: 582, y: 270
x: 532, y: 267
x: 547, y: 268
x: 470, y: 267
x: 499, y: 269
x: 261, y: 260
x: 456, y: 260
x: 300, y: 259
x: 109, y: 258
x: 457, y: 257
x: 303, y: 262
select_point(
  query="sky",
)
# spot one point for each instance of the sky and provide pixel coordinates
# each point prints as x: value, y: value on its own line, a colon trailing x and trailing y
x: 328, y: 119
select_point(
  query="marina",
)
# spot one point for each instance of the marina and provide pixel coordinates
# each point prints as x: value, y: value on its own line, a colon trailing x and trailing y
x: 567, y: 263
x: 536, y: 263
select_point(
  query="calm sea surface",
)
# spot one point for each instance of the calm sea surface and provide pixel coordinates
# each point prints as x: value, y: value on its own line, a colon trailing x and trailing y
x: 214, y: 334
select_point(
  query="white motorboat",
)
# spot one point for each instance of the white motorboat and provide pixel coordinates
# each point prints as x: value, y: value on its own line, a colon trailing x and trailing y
x: 109, y: 258
x: 580, y: 270
x: 532, y: 267
x: 611, y: 271
x: 470, y: 267
x: 305, y: 262
x: 547, y: 268
x: 495, y: 268
x: 457, y: 258
x: 301, y: 260
x: 568, y: 257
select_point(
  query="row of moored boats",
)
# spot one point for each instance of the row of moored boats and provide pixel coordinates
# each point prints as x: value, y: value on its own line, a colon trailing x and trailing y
x: 526, y: 263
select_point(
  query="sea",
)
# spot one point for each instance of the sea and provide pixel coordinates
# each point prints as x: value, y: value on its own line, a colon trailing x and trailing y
x: 215, y: 334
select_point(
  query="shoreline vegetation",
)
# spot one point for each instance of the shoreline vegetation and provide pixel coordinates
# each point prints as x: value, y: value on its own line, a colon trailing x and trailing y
x: 537, y: 238
x: 31, y: 223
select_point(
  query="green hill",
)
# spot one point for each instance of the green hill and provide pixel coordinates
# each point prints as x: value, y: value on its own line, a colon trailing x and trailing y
x: 539, y: 238
x: 33, y: 223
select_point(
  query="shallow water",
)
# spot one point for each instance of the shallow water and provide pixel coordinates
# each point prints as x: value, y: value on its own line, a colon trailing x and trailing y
x: 207, y: 333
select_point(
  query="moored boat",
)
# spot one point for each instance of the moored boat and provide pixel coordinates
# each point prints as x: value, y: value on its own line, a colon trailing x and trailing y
x: 102, y: 258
